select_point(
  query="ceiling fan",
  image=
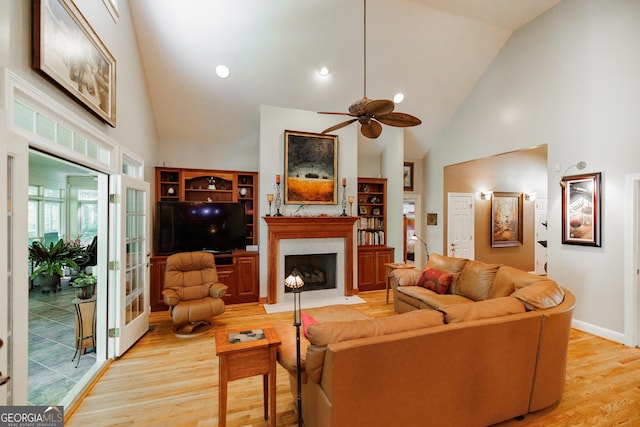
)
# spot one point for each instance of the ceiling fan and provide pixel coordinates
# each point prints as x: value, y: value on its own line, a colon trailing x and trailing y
x: 371, y: 112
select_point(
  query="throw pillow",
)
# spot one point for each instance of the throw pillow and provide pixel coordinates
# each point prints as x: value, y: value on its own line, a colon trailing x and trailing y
x: 306, y: 321
x: 435, y: 280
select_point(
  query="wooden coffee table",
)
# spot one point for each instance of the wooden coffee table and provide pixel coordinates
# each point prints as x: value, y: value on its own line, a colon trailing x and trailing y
x: 251, y: 354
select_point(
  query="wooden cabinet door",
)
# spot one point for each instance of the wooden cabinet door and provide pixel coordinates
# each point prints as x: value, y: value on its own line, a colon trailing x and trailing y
x: 366, y: 270
x: 246, y: 278
x: 382, y: 257
x: 227, y: 275
x: 156, y: 279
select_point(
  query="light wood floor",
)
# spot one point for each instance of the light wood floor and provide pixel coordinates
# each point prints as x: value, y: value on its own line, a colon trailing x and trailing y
x: 168, y: 381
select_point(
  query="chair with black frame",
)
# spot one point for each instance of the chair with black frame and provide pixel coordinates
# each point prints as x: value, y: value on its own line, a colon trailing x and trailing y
x: 88, y: 257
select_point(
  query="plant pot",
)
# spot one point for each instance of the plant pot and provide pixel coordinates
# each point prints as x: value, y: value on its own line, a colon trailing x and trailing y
x: 85, y: 292
x: 47, y: 283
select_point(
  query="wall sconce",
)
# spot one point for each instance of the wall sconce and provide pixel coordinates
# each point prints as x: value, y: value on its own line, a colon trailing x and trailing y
x: 486, y: 195
x: 579, y: 165
x: 530, y: 197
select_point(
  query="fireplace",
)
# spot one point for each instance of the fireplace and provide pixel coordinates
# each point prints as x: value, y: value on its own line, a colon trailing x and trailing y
x: 305, y: 236
x: 318, y: 271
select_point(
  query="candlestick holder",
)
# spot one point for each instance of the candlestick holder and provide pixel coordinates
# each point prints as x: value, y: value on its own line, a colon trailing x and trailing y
x: 278, y: 200
x: 350, y: 205
x: 344, y: 200
x: 270, y: 200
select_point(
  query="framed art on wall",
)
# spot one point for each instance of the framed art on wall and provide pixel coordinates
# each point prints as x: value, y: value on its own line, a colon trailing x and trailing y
x: 310, y: 168
x: 581, y: 209
x: 408, y: 176
x: 68, y: 52
x: 506, y: 219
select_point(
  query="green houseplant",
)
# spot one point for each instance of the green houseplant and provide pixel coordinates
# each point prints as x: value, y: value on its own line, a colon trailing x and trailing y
x: 49, y: 262
x: 85, y: 285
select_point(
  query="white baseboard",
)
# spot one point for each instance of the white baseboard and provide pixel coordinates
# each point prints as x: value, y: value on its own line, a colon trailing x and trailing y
x: 598, y: 331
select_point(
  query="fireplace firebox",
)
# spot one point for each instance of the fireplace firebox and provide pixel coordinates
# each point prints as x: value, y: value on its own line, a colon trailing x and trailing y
x: 317, y: 270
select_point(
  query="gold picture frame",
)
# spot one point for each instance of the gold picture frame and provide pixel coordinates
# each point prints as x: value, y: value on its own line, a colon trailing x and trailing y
x: 69, y: 53
x: 310, y: 168
x: 506, y: 219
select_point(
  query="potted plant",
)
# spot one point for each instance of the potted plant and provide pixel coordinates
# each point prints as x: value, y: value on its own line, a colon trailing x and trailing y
x: 49, y: 262
x: 85, y: 285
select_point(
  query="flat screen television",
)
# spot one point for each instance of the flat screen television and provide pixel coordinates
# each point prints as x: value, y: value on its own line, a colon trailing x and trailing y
x: 195, y: 226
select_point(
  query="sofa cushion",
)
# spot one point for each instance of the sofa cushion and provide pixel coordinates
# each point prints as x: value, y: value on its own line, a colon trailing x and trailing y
x: 426, y: 298
x: 510, y: 279
x: 306, y: 321
x: 405, y: 276
x: 323, y: 334
x: 448, y: 265
x: 540, y: 295
x: 435, y: 280
x: 486, y: 309
x: 332, y: 332
x: 476, y: 279
x: 287, y: 332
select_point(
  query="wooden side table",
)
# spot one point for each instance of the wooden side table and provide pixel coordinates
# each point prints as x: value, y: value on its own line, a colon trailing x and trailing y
x: 393, y: 266
x: 245, y: 359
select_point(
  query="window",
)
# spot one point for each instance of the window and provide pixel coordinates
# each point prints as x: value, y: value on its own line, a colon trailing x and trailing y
x: 87, y: 215
x: 45, y: 213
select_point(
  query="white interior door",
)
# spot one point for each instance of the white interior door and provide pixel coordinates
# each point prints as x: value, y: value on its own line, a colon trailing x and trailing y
x: 460, y: 226
x: 128, y: 265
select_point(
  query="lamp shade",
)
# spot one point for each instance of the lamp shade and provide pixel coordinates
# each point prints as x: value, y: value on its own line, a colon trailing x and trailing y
x: 294, y: 280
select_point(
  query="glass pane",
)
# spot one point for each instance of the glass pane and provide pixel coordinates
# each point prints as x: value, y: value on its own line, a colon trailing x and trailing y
x: 23, y: 117
x: 32, y: 219
x: 65, y: 136
x: 135, y: 260
x: 52, y: 217
x: 45, y: 127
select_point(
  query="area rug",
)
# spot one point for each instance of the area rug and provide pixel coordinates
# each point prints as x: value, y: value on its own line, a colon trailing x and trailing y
x: 312, y: 303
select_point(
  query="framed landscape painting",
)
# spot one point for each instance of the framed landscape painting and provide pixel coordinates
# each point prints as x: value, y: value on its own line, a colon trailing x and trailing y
x: 506, y: 219
x: 68, y: 52
x: 581, y: 210
x: 310, y: 168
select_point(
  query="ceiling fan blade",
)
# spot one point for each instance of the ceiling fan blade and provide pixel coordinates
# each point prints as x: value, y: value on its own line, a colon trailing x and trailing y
x: 399, y: 120
x: 333, y: 112
x: 372, y: 130
x: 378, y: 106
x: 339, y: 126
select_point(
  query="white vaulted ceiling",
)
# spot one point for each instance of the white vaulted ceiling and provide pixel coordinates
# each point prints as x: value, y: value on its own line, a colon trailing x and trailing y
x: 432, y: 50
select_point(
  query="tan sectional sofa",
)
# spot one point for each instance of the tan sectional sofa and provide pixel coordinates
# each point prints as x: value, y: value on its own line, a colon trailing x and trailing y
x: 470, y: 362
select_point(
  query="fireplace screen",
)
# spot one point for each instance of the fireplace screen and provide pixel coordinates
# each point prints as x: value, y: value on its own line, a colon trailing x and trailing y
x: 318, y: 270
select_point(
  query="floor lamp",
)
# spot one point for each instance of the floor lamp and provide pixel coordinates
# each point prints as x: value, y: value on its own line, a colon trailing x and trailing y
x: 426, y: 248
x: 294, y: 282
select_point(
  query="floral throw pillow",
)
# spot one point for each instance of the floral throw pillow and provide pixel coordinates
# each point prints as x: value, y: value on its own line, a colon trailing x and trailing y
x: 435, y: 280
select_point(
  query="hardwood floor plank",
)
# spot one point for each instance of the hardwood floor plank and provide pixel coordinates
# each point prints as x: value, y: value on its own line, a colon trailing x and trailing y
x: 169, y: 381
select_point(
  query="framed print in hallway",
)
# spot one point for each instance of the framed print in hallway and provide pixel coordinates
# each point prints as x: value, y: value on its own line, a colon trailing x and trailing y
x: 310, y: 168
x: 408, y: 176
x: 506, y: 219
x: 69, y: 53
x: 581, y: 209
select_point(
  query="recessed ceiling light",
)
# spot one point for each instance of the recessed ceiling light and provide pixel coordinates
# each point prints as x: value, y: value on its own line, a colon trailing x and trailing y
x: 222, y: 71
x: 398, y: 97
x: 323, y: 71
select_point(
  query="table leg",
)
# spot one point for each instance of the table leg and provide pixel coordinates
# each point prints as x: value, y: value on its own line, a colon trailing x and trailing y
x: 272, y: 386
x: 265, y: 395
x: 222, y: 395
x: 387, y: 283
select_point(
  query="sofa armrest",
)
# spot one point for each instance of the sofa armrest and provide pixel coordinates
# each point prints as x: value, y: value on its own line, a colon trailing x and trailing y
x: 404, y: 277
x: 218, y: 290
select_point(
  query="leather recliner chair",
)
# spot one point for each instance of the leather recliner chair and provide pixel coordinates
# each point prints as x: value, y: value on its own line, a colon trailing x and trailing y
x: 192, y: 292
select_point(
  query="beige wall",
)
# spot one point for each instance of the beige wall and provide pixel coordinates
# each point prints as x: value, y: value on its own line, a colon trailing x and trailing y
x: 522, y: 171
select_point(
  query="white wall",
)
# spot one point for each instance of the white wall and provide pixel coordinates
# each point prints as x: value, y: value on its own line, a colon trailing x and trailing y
x: 135, y: 125
x: 568, y: 79
x: 273, y: 122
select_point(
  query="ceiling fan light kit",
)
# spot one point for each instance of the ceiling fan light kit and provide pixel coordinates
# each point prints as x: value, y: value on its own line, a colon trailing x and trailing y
x: 371, y: 112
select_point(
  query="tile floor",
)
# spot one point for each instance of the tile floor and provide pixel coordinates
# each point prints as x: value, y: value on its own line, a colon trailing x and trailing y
x: 52, y: 333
